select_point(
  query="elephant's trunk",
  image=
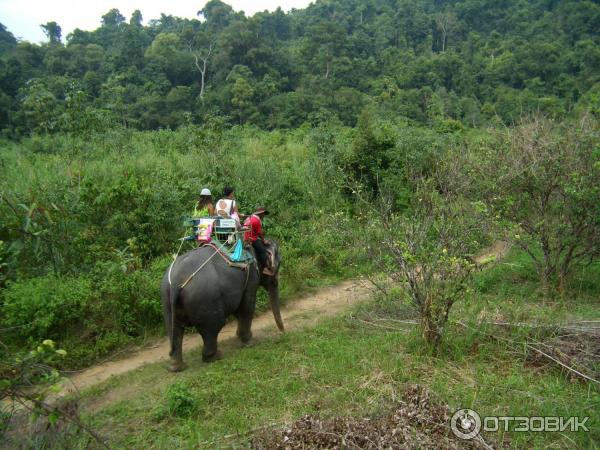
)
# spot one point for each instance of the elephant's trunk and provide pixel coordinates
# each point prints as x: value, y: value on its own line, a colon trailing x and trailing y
x: 274, y: 298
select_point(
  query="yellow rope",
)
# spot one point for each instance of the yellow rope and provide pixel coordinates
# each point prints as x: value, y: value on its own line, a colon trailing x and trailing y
x: 174, y: 258
x: 198, y: 270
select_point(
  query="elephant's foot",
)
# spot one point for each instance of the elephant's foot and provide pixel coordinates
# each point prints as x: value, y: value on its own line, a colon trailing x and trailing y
x: 248, y: 343
x: 245, y: 338
x: 212, y: 358
x: 176, y: 366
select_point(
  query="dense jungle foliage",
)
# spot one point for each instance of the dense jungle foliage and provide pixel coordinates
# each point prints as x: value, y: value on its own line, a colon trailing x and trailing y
x: 474, y: 61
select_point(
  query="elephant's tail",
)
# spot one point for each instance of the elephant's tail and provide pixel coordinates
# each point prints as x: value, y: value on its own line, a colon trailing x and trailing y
x: 173, y: 296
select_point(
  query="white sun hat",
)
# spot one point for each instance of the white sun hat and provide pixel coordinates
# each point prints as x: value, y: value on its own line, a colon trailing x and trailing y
x: 205, y: 191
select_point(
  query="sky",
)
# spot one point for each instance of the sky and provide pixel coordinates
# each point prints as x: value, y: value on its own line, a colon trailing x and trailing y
x: 24, y: 17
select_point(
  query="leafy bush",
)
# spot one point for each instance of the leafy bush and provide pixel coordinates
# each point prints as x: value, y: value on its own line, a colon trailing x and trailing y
x: 180, y: 401
x: 547, y: 192
x: 46, y: 307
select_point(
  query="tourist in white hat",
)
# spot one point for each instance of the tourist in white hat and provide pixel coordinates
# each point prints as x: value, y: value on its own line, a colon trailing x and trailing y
x: 204, y: 207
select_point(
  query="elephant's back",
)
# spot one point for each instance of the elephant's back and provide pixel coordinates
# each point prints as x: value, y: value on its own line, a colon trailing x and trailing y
x: 205, y: 266
x: 188, y: 263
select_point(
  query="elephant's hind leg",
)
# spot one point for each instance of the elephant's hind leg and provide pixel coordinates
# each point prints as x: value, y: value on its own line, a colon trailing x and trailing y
x: 176, y: 353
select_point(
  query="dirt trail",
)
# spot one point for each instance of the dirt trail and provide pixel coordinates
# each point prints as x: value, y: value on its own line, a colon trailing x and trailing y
x: 296, y: 314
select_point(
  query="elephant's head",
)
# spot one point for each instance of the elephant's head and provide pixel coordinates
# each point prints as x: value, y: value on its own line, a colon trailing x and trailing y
x: 271, y: 284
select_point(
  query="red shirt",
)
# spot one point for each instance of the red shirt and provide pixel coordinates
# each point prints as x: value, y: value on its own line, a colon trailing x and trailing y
x: 253, y: 222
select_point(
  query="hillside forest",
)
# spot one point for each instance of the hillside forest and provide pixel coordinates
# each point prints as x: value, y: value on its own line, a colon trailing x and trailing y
x: 476, y: 62
x: 392, y: 141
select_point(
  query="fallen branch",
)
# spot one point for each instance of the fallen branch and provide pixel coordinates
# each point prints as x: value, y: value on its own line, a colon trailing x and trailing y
x: 240, y: 434
x: 528, y: 345
x: 568, y: 327
x: 26, y: 400
x: 407, y: 322
x: 563, y: 364
x: 373, y: 324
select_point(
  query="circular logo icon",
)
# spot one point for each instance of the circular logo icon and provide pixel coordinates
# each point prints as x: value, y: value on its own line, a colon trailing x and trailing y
x: 465, y: 424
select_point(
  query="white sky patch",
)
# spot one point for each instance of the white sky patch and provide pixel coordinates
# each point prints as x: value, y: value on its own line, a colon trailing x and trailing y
x: 24, y: 17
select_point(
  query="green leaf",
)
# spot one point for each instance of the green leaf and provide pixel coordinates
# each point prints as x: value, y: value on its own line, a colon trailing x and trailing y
x: 53, y: 418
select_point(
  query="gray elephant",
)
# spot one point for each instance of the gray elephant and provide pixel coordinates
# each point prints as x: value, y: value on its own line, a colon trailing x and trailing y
x: 215, y: 290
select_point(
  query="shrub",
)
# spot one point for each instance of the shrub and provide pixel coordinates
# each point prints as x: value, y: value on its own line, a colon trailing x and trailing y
x: 427, y: 249
x: 180, y: 401
x: 542, y: 179
x: 46, y: 307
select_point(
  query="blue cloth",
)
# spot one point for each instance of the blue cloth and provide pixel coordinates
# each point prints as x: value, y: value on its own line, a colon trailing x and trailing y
x: 237, y: 252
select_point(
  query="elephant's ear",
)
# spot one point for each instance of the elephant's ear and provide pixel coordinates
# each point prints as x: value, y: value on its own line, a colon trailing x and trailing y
x: 273, y: 251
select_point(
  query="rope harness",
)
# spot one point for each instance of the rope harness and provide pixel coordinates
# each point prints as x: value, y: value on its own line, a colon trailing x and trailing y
x: 243, y: 266
x: 197, y: 270
x: 174, y: 258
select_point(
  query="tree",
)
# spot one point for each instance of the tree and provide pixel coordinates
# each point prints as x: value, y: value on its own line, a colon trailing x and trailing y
x: 7, y: 39
x: 548, y: 193
x: 242, y: 93
x: 136, y: 18
x: 168, y: 55
x: 445, y: 22
x: 53, y: 31
x: 201, y: 50
x: 40, y: 107
x: 217, y: 15
x: 327, y: 42
x: 112, y: 18
x: 372, y: 148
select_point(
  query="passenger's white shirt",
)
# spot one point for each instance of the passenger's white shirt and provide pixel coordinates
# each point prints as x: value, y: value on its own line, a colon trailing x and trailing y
x: 224, y: 207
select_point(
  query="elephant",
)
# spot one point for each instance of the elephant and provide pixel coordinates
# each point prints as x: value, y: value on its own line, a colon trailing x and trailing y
x: 214, y: 291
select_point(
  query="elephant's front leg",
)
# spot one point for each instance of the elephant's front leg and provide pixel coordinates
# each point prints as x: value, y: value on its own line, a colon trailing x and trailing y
x: 176, y: 352
x: 244, y: 315
x: 210, y: 352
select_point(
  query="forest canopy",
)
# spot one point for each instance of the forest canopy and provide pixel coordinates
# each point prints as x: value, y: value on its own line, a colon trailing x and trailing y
x: 473, y: 61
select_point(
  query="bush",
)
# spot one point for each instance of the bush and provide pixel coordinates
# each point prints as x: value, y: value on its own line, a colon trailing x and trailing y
x: 427, y: 249
x: 91, y: 315
x: 547, y: 192
x: 46, y: 307
x: 180, y: 401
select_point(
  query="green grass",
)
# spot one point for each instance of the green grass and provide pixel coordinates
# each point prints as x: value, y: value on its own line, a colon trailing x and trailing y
x: 337, y: 368
x: 341, y: 367
x: 510, y: 291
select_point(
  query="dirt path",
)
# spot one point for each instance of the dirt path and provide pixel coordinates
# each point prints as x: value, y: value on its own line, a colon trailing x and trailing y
x: 296, y: 314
